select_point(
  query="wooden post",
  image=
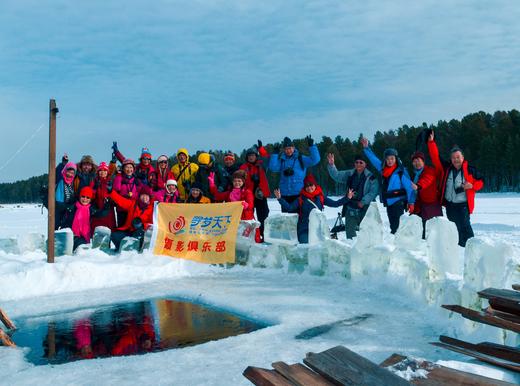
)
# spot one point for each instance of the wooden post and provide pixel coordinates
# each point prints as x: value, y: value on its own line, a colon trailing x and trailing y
x: 6, y: 321
x: 51, y: 340
x: 6, y: 339
x: 53, y: 110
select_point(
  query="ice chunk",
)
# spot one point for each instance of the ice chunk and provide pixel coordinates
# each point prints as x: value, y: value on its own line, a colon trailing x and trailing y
x: 409, y: 234
x: 318, y: 227
x: 129, y: 244
x: 442, y: 248
x: 9, y: 245
x: 267, y: 256
x: 29, y: 242
x: 370, y: 261
x: 247, y: 229
x: 330, y: 257
x: 101, y: 238
x: 281, y: 228
x: 371, y: 229
x: 297, y: 257
x: 63, y: 242
x: 147, y: 239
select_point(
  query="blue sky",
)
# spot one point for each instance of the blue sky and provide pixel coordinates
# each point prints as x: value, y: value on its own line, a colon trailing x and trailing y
x: 221, y: 74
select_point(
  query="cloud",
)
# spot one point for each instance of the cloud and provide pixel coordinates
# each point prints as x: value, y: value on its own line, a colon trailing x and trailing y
x: 222, y: 73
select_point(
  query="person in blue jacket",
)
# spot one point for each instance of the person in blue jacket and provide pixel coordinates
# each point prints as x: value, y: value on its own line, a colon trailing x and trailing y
x: 293, y: 167
x: 310, y: 197
x: 396, y: 186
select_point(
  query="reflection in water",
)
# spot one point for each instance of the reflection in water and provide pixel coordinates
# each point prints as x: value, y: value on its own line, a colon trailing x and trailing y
x: 126, y: 329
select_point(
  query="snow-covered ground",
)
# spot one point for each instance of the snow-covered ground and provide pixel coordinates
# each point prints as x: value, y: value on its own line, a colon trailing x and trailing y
x: 400, y: 321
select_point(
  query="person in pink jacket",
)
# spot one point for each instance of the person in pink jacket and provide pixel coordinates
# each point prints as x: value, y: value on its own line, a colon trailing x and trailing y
x: 170, y: 194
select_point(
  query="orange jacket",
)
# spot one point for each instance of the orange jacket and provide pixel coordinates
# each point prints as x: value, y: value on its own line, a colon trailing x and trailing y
x: 470, y: 175
x: 132, y: 208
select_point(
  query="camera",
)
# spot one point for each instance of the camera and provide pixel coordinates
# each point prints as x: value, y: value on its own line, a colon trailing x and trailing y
x: 255, y: 178
x: 288, y: 172
x: 459, y: 190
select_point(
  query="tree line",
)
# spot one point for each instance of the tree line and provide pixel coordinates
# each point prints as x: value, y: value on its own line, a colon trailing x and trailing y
x: 489, y: 142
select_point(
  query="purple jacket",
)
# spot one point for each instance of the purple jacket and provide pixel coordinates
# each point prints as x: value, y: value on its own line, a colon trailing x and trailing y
x: 124, y: 186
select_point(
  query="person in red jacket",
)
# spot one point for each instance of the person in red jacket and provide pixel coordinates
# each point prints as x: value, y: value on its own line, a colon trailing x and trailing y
x: 239, y: 192
x: 425, y: 182
x: 102, y: 184
x: 459, y: 183
x: 144, y: 170
x: 161, y: 174
x: 256, y: 182
x: 139, y: 218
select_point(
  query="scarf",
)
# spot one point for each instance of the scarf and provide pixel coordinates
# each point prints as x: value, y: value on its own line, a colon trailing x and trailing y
x: 101, y: 191
x: 417, y: 175
x: 235, y: 194
x: 311, y: 196
x: 81, y: 222
x: 387, y: 171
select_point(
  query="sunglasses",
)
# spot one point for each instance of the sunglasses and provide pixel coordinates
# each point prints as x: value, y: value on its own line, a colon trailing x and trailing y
x: 146, y: 159
x: 85, y: 197
x: 161, y: 162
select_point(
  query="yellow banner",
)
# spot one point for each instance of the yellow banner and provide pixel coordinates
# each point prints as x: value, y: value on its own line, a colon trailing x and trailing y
x: 201, y: 232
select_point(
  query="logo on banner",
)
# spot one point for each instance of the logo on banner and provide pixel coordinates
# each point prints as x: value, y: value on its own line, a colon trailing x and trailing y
x: 177, y: 227
x: 210, y: 225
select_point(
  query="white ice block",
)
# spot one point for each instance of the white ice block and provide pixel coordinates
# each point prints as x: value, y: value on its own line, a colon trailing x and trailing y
x: 9, y: 245
x: 129, y: 244
x: 101, y: 238
x: 370, y: 230
x: 409, y: 233
x: 442, y: 248
x: 318, y: 227
x: 29, y: 242
x: 63, y: 242
x: 281, y: 228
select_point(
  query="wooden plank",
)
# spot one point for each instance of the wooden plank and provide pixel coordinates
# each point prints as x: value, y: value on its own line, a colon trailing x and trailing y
x: 6, y: 339
x: 483, y: 317
x: 506, y: 294
x: 6, y: 321
x: 495, y: 350
x: 482, y: 357
x: 442, y: 376
x: 300, y: 375
x: 264, y: 377
x: 341, y: 366
x: 506, y: 306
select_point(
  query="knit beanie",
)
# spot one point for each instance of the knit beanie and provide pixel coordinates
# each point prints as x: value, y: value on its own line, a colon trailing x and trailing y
x: 309, y: 180
x: 418, y: 154
x: 162, y: 158
x: 87, y: 192
x: 103, y: 166
x: 390, y: 151
x: 145, y: 153
x: 204, y: 159
x: 229, y: 156
x: 287, y: 142
x: 128, y: 161
x: 171, y: 182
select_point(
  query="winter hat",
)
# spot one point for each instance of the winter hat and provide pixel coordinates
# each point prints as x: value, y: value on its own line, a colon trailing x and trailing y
x: 145, y: 153
x: 145, y: 189
x: 196, y: 185
x: 359, y: 157
x: 240, y: 174
x: 252, y: 150
x: 128, y: 161
x: 162, y: 158
x: 171, y: 182
x: 182, y: 151
x: 87, y: 192
x: 390, y: 151
x: 87, y: 159
x: 310, y: 180
x: 103, y: 166
x: 70, y: 165
x: 204, y: 159
x: 418, y: 154
x: 287, y: 142
x: 229, y: 156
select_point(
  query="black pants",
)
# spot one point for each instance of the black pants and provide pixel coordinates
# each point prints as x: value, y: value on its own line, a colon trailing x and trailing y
x: 262, y: 211
x: 353, y: 218
x: 394, y: 213
x: 459, y: 214
x: 289, y: 200
x: 78, y: 240
x: 118, y: 236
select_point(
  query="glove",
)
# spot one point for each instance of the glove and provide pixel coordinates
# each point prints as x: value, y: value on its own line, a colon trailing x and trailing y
x: 255, y: 178
x: 411, y: 207
x: 245, y: 204
x: 114, y: 158
x: 276, y: 148
x: 310, y: 141
x: 259, y: 143
x: 65, y: 158
x: 137, y: 223
x: 110, y: 186
x: 211, y: 179
x: 114, y: 147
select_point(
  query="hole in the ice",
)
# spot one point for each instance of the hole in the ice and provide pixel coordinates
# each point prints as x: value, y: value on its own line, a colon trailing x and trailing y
x: 126, y: 329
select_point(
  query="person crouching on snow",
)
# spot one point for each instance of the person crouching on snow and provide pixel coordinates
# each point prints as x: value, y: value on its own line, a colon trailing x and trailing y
x: 139, y: 215
x: 239, y: 192
x: 311, y: 197
x: 196, y: 196
x: 78, y: 217
x: 170, y: 194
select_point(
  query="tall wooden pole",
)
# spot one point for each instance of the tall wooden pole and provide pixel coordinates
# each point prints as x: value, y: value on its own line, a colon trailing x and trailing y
x: 52, y: 181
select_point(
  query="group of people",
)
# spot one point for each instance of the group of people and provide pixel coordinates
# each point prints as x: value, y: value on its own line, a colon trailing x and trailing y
x: 121, y: 197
